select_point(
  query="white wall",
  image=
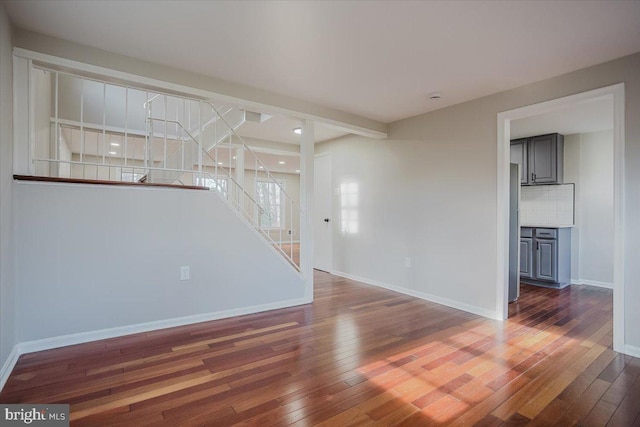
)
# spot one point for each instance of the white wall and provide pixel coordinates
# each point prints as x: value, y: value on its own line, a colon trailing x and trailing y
x: 589, y: 163
x: 424, y: 194
x: 429, y: 193
x: 110, y: 256
x: 7, y: 286
x: 437, y: 177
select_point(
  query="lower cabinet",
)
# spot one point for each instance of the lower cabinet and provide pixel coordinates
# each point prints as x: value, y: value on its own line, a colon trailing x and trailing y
x: 545, y: 256
x: 526, y: 257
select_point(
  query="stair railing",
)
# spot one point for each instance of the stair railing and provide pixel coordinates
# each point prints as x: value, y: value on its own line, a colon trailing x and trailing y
x: 237, y: 197
x: 234, y: 142
x: 259, y: 164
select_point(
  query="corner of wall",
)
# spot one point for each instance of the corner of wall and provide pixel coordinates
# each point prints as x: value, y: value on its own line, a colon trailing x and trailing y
x: 7, y: 307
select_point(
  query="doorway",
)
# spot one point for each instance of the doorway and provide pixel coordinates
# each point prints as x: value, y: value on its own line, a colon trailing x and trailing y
x: 616, y: 94
x: 323, y: 225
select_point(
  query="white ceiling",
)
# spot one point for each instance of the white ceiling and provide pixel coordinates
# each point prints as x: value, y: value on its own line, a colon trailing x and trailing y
x: 590, y: 116
x: 272, y: 162
x: 374, y: 59
x: 280, y: 129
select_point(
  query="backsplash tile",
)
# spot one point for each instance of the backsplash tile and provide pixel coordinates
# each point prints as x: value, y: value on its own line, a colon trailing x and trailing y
x: 547, y: 205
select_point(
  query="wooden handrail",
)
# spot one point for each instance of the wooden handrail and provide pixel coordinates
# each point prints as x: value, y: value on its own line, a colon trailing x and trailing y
x: 103, y: 182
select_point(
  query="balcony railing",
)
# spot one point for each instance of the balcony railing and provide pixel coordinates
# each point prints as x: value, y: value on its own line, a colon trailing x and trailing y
x: 96, y: 130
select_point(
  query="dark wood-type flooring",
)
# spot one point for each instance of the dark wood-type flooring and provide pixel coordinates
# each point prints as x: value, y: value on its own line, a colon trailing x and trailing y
x: 357, y: 355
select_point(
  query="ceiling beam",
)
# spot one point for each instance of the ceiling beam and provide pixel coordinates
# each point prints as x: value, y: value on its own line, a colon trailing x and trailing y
x: 42, y: 47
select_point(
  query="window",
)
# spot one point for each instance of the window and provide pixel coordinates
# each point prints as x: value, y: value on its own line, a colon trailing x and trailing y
x: 270, y: 198
x: 219, y: 184
x: 130, y: 175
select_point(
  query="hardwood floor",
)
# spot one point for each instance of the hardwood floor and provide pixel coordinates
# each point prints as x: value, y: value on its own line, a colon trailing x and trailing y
x: 357, y: 355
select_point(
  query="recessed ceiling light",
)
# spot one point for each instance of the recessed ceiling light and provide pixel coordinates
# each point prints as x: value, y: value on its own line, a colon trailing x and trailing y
x: 297, y: 170
x: 260, y: 167
x: 234, y: 157
x: 220, y: 163
x: 281, y: 162
x: 112, y: 152
x: 435, y: 95
x: 115, y: 144
x: 297, y: 131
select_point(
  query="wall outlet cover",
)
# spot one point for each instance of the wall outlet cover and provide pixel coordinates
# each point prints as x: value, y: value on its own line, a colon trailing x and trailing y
x: 185, y: 272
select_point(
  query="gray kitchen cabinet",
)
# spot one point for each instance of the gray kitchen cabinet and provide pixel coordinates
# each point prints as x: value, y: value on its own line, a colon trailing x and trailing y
x: 526, y: 257
x: 541, y: 159
x: 545, y: 256
x: 546, y: 159
x: 519, y: 155
x: 546, y: 260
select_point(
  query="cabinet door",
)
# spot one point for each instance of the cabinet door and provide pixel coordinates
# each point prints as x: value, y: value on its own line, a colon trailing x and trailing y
x: 526, y: 258
x: 546, y: 260
x: 543, y: 158
x: 519, y: 156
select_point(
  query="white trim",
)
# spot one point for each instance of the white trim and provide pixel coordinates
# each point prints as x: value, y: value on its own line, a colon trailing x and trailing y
x: 331, y: 224
x: 607, y: 285
x: 146, y: 81
x: 421, y: 295
x: 84, y: 337
x: 632, y: 350
x: 21, y: 120
x: 8, y: 365
x: 619, y: 340
x: 307, y: 150
x: 502, y: 218
x: 265, y: 150
x: 615, y: 92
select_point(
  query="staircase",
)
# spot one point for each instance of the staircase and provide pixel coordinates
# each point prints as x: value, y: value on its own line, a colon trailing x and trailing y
x: 208, y: 153
x: 121, y: 133
x: 185, y: 153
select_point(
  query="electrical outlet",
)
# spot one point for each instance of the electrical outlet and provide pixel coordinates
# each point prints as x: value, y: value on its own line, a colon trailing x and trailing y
x: 407, y: 262
x: 185, y: 272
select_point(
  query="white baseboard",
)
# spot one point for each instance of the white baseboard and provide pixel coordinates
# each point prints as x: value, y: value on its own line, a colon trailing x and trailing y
x: 83, y: 337
x: 491, y: 314
x: 632, y: 350
x: 592, y: 283
x: 8, y: 365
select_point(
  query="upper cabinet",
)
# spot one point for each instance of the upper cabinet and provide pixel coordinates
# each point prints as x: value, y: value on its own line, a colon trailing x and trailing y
x: 519, y: 156
x: 540, y: 158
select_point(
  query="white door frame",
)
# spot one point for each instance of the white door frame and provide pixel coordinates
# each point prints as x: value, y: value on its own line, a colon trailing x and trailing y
x: 616, y: 93
x: 328, y: 155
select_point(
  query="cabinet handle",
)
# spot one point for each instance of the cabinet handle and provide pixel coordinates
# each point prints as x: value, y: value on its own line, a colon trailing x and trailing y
x: 533, y: 177
x: 537, y: 246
